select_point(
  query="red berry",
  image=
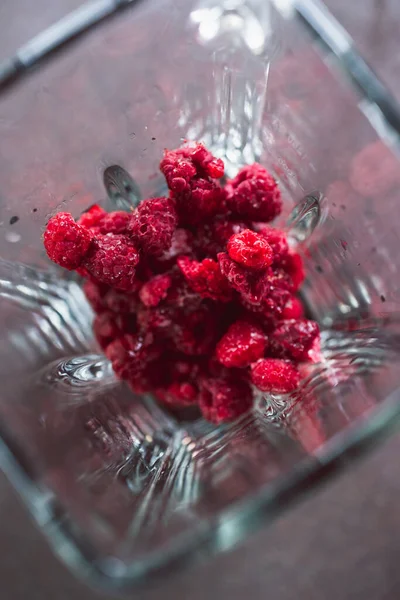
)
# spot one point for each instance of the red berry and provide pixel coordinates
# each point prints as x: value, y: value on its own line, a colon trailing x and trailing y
x: 153, y: 224
x: 293, y: 309
x: 254, y: 194
x: 92, y: 217
x: 252, y: 286
x: 155, y: 290
x: 250, y: 249
x: 242, y: 344
x: 223, y: 400
x: 275, y: 375
x: 292, y: 264
x: 277, y: 239
x: 294, y: 338
x: 66, y: 242
x: 115, y: 222
x: 130, y: 354
x: 177, y: 170
x: 112, y: 260
x: 205, y: 278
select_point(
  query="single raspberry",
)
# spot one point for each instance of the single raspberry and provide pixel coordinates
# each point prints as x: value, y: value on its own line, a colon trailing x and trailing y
x: 252, y: 286
x: 250, y: 250
x: 223, y: 400
x: 178, y: 394
x: 92, y: 217
x: 242, y: 344
x: 108, y: 326
x: 66, y: 242
x: 115, y: 222
x: 275, y: 375
x: 205, y: 278
x: 254, y: 194
x: 153, y: 224
x: 277, y: 239
x: 293, y: 309
x: 129, y: 354
x: 205, y: 164
x: 178, y: 171
x: 292, y: 264
x: 181, y: 243
x: 112, y: 260
x: 155, y: 290
x: 294, y: 338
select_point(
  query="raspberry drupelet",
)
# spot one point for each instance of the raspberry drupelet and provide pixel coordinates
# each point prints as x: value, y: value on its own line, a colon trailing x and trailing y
x: 194, y: 294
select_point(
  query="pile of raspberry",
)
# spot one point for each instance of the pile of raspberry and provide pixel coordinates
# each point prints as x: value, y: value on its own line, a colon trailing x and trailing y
x: 194, y: 293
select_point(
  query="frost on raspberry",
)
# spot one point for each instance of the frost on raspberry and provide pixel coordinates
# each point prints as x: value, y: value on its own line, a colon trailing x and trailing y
x: 250, y: 250
x: 294, y: 338
x: 205, y: 278
x: 66, y: 242
x: 224, y: 400
x: 254, y: 194
x: 275, y: 375
x: 155, y: 290
x: 242, y: 344
x: 112, y: 260
x: 153, y: 224
x: 201, y: 202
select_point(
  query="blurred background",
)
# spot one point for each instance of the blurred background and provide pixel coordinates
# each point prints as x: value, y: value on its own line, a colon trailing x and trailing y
x: 343, y: 541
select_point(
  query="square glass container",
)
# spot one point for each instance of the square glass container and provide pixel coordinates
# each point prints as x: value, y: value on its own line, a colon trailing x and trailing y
x: 121, y: 488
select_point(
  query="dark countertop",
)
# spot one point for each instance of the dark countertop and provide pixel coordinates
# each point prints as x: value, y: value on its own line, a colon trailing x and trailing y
x: 342, y: 542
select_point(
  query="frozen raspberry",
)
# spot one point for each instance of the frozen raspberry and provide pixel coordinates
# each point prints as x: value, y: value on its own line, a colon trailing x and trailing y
x: 374, y: 171
x: 205, y: 164
x: 92, y: 217
x: 292, y: 264
x: 108, y: 326
x: 254, y: 194
x: 112, y: 260
x: 277, y: 239
x: 178, y: 171
x: 293, y: 309
x: 181, y: 243
x: 130, y: 354
x: 294, y: 338
x: 274, y: 302
x: 205, y: 278
x: 275, y: 375
x: 156, y: 319
x: 250, y: 249
x: 95, y: 293
x: 178, y: 394
x: 243, y: 344
x: 252, y: 286
x: 155, y: 290
x: 66, y: 242
x: 115, y: 222
x: 153, y: 224
x: 223, y: 400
